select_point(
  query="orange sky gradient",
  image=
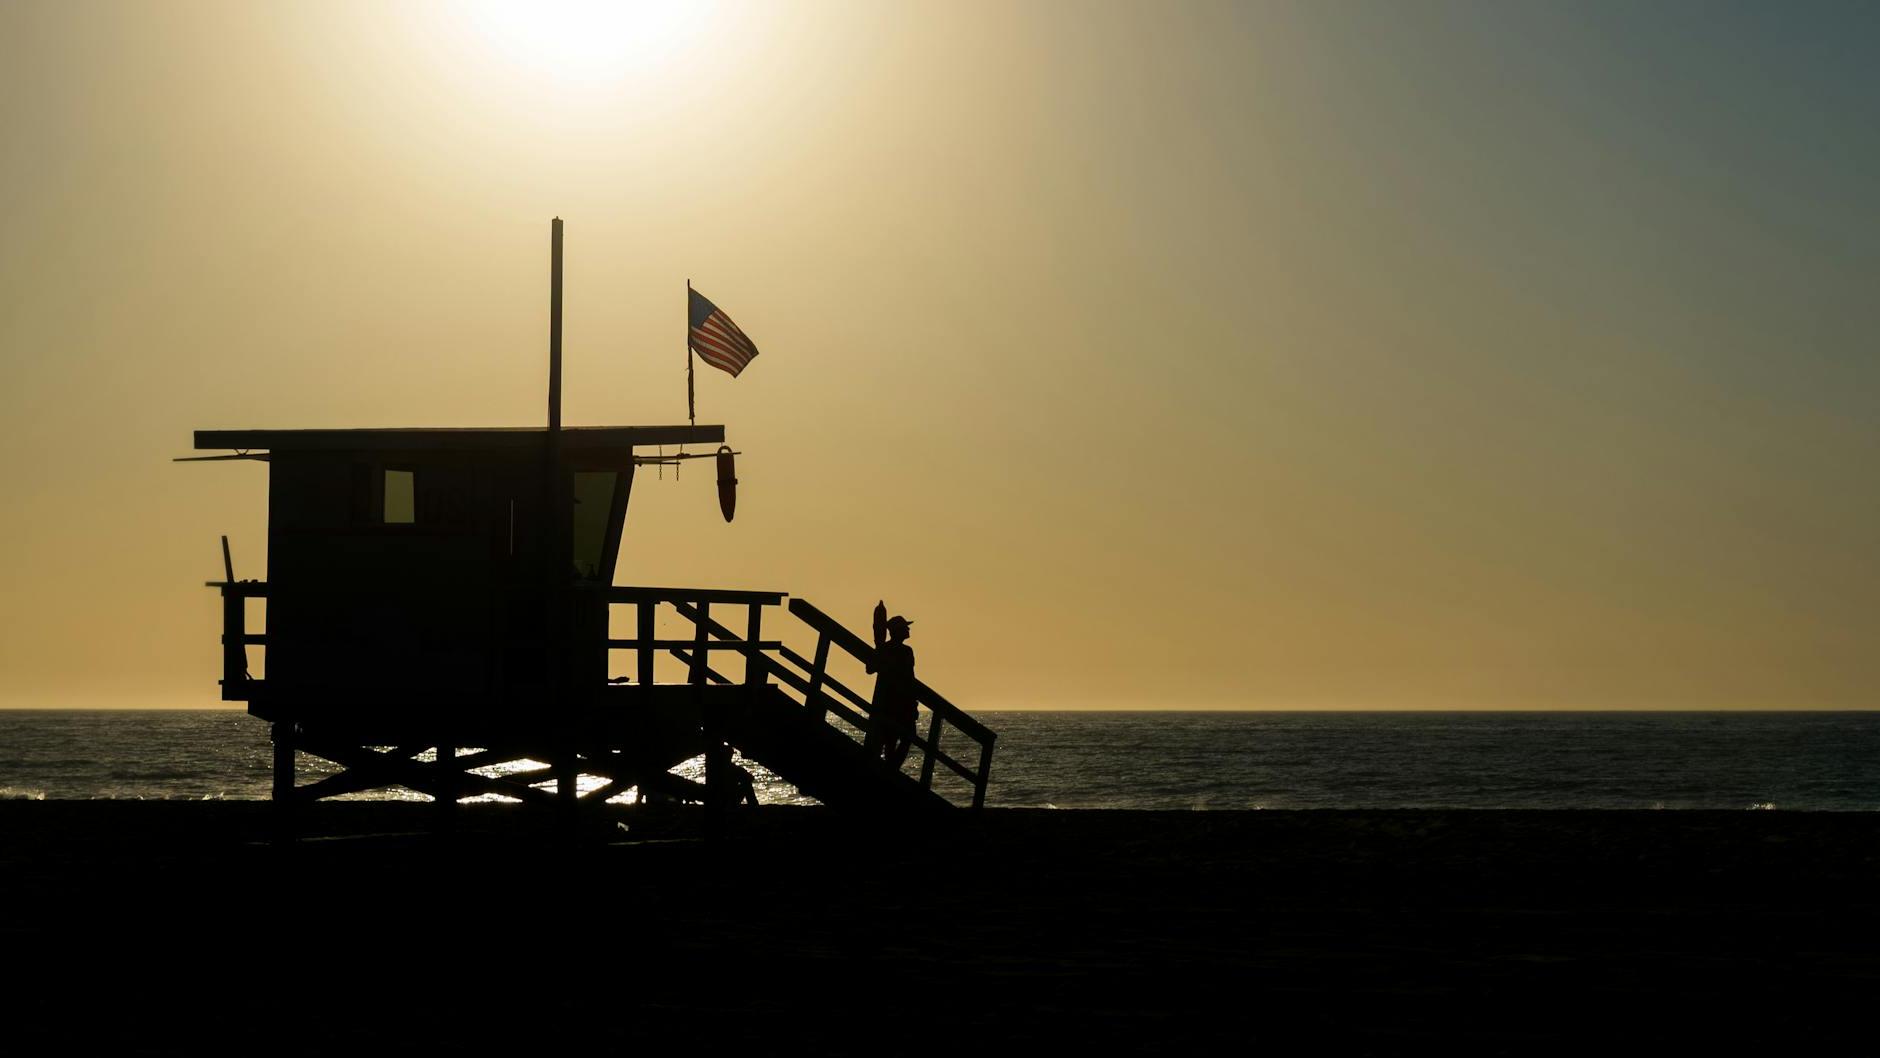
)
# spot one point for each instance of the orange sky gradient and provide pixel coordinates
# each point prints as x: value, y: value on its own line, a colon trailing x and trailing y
x: 1149, y: 356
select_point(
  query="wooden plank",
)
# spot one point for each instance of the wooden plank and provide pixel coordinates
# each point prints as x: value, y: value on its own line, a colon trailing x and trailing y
x: 711, y: 675
x: 647, y: 654
x: 613, y: 788
x: 826, y: 703
x: 234, y: 633
x: 504, y: 438
x: 859, y: 720
x: 829, y: 682
x: 531, y: 776
x: 984, y: 777
x: 701, y: 617
x: 247, y: 589
x: 486, y: 757
x: 956, y: 716
x: 818, y: 672
x: 959, y: 769
x: 754, y: 639
x: 933, y: 748
x: 642, y: 593
x: 687, y: 644
x: 389, y: 770
x: 701, y: 644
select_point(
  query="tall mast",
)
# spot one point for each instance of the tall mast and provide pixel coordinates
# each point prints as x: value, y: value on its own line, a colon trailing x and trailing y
x: 554, y: 339
x: 691, y: 409
x: 557, y: 559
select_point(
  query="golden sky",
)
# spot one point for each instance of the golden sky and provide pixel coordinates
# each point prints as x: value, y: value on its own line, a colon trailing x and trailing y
x: 1149, y: 355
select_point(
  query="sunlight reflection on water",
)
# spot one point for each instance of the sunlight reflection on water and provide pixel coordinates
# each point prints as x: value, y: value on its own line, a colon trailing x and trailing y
x: 771, y: 788
x: 1764, y: 761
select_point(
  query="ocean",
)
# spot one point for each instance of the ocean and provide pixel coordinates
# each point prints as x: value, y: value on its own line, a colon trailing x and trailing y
x: 1250, y: 760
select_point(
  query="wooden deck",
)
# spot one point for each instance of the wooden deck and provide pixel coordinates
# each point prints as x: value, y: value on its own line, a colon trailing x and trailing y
x: 780, y: 708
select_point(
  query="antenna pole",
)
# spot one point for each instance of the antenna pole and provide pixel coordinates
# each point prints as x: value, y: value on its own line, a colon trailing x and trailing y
x: 554, y: 338
x: 691, y: 408
x: 557, y: 560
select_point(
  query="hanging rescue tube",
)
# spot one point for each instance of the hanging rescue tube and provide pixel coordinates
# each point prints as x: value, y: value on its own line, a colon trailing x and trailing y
x: 727, y: 482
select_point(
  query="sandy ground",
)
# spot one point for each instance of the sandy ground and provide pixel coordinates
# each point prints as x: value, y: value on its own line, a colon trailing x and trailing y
x: 141, y: 927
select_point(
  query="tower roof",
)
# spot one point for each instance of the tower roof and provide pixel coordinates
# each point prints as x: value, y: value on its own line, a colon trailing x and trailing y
x: 573, y: 438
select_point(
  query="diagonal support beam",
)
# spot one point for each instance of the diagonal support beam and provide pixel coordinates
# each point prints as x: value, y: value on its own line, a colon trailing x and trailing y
x: 383, y: 769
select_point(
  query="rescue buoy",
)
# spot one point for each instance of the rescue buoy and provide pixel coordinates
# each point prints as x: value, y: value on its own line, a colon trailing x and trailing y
x: 727, y: 482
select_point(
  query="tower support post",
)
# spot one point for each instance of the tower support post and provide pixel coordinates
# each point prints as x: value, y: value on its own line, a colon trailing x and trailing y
x: 283, y: 809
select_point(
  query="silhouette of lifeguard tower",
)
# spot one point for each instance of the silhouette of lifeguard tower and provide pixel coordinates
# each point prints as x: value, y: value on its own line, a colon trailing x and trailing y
x: 440, y: 616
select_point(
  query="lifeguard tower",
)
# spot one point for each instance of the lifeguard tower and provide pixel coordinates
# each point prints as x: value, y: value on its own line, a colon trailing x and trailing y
x: 440, y: 615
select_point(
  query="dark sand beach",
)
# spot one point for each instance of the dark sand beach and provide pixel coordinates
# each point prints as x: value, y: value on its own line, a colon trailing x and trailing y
x: 148, y: 927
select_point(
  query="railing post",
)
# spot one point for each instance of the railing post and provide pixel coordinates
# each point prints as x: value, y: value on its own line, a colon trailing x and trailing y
x: 933, y: 747
x: 646, y: 652
x: 700, y: 638
x: 985, y: 774
x: 753, y: 665
x: 813, y: 698
x: 234, y: 643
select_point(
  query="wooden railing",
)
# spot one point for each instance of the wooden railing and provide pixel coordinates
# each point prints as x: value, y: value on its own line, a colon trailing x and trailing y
x: 822, y: 695
x: 237, y: 685
x: 941, y: 712
x: 696, y: 605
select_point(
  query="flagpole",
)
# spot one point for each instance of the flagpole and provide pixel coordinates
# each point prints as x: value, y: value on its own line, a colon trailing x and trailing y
x: 557, y: 557
x: 691, y: 413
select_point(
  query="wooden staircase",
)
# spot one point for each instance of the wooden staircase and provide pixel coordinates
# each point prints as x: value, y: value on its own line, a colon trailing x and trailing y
x: 795, y: 725
x: 786, y: 710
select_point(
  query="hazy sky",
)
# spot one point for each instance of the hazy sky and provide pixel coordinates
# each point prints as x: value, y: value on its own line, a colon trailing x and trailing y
x: 1317, y: 355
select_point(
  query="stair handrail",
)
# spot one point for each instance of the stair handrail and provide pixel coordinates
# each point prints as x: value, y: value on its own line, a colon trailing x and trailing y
x: 864, y: 652
x: 837, y: 634
x: 814, y: 683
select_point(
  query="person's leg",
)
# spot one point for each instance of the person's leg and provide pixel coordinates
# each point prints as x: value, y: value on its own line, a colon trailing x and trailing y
x: 876, y: 735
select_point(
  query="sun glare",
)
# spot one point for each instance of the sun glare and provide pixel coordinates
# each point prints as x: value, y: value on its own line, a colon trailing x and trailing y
x: 590, y: 39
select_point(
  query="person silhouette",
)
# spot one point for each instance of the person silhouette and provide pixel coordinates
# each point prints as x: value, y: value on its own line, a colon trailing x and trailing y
x: 743, y: 785
x: 892, y: 713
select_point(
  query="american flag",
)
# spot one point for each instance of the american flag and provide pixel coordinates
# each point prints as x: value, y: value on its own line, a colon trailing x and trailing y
x: 716, y: 339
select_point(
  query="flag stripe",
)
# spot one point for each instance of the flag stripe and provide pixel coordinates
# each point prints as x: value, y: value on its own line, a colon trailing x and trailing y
x: 734, y: 341
x: 706, y: 337
x: 722, y: 361
x: 722, y: 325
x: 710, y: 349
x: 718, y: 360
x: 741, y: 351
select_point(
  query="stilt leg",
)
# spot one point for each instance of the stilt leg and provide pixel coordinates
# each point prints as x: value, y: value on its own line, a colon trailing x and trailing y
x: 284, y: 808
x: 447, y: 787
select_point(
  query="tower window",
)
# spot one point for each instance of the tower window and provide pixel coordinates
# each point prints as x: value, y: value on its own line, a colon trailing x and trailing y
x: 401, y: 497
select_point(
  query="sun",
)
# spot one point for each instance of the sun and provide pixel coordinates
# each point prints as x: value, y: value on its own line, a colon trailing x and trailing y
x: 590, y: 39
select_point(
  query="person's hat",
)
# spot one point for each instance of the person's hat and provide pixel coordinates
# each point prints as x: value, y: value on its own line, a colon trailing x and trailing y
x: 899, y: 620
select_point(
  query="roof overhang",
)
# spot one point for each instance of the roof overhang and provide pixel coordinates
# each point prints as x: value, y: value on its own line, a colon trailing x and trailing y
x: 513, y: 438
